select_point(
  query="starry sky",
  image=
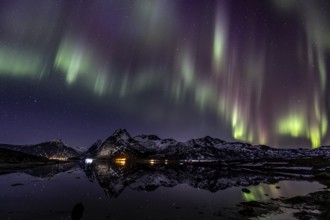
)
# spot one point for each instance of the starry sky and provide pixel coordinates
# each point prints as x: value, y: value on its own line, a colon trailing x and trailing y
x: 254, y: 71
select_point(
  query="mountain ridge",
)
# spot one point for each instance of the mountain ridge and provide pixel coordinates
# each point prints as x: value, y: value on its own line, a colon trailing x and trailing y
x: 122, y: 144
x: 48, y: 149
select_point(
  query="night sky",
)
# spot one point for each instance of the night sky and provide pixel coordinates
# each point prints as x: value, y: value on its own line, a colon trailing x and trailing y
x: 253, y: 71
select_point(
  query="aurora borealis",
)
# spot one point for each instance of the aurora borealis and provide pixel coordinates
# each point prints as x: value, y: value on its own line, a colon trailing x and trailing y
x: 253, y: 71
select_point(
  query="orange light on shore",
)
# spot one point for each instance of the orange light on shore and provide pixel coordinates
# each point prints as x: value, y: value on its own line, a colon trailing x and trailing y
x: 120, y: 161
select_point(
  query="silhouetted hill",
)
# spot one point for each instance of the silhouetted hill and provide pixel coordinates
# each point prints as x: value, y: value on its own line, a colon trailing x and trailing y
x: 10, y: 156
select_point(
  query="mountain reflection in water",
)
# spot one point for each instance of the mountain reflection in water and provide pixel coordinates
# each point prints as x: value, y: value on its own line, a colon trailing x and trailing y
x: 150, y: 191
x: 114, y: 178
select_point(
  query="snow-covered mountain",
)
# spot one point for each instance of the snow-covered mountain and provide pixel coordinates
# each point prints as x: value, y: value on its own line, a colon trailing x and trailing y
x: 121, y: 143
x: 50, y: 149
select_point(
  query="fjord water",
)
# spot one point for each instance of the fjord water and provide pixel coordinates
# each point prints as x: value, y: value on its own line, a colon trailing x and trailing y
x: 109, y: 191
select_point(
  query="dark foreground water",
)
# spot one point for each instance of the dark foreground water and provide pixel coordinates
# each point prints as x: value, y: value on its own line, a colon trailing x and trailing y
x: 108, y: 191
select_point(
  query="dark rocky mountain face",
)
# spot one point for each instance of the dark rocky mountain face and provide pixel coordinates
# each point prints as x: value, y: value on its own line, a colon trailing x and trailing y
x: 119, y: 144
x: 51, y: 149
x: 122, y: 144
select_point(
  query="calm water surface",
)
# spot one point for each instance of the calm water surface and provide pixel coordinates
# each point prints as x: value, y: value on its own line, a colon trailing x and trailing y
x: 107, y: 191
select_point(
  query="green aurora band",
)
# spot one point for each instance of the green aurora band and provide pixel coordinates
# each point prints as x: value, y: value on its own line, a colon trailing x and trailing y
x: 234, y: 82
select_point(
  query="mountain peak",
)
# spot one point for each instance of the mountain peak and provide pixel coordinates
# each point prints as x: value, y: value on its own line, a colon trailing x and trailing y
x: 57, y: 141
x: 149, y: 137
x: 122, y: 133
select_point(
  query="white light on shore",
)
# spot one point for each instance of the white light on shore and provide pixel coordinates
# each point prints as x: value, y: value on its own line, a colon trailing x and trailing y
x: 88, y: 160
